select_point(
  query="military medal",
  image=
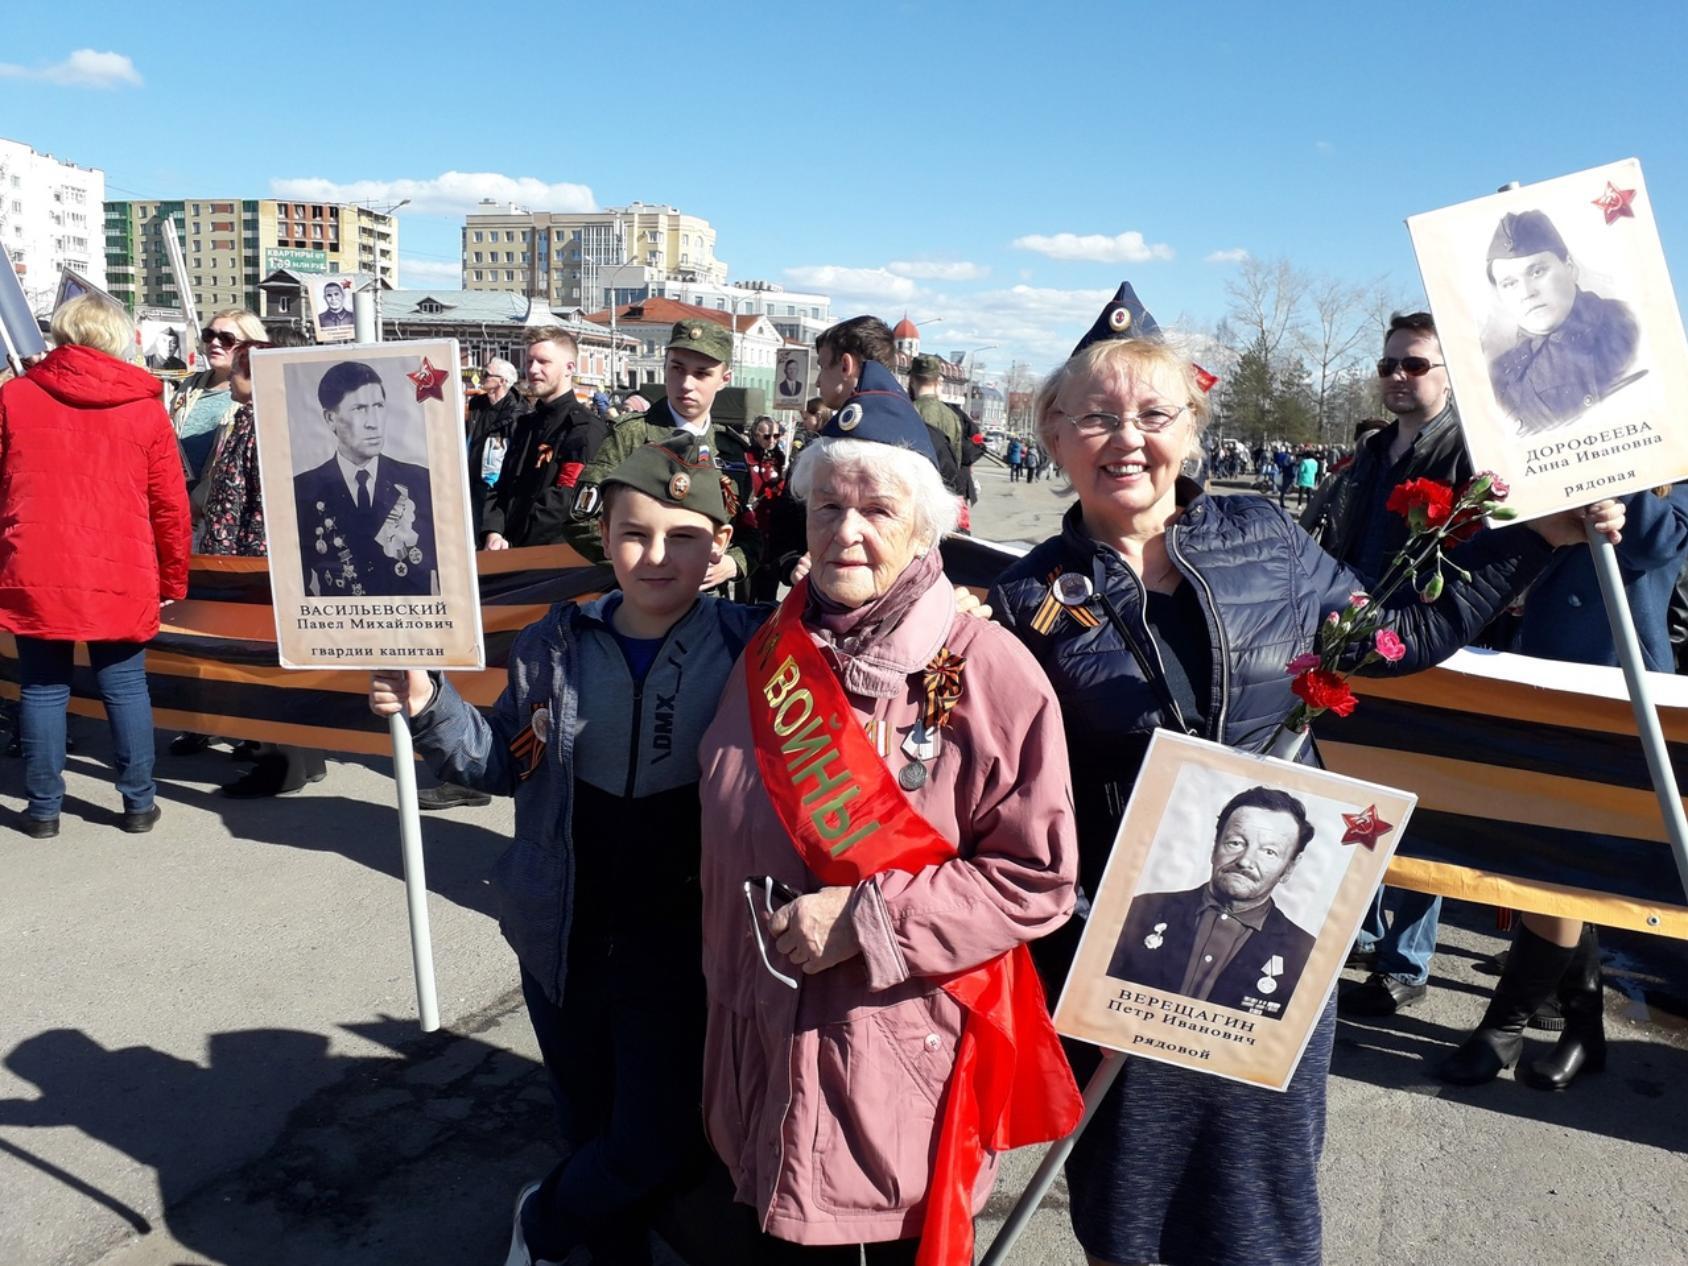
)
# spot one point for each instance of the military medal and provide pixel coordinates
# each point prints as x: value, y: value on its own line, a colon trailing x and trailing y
x: 415, y: 555
x: 400, y: 569
x: 1072, y: 589
x: 321, y: 546
x: 911, y: 776
x: 1272, y: 968
x: 921, y: 743
x: 1154, y: 940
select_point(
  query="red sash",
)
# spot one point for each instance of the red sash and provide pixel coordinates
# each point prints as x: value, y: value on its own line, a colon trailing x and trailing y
x: 848, y: 820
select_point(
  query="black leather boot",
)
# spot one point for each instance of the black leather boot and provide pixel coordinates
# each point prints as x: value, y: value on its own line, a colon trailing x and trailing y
x: 1582, y: 1047
x: 1533, y: 971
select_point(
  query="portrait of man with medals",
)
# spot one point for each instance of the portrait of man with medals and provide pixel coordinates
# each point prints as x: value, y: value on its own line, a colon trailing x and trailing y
x: 1227, y: 941
x: 366, y: 525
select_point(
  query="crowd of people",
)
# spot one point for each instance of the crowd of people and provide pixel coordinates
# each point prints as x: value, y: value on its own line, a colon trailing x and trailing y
x: 790, y: 1047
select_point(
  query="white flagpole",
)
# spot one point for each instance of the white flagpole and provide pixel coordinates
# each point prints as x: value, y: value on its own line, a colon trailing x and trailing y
x: 415, y: 874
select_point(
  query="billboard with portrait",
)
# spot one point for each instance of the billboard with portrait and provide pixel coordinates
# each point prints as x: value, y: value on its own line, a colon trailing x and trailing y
x: 366, y: 498
x: 1561, y: 336
x: 1230, y: 899
x: 330, y: 298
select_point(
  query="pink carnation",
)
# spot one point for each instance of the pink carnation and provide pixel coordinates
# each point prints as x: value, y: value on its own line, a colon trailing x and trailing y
x: 1301, y: 663
x: 1390, y: 646
x: 1358, y: 600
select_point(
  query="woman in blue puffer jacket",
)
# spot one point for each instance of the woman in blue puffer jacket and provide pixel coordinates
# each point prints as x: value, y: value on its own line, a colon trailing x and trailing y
x: 1159, y: 606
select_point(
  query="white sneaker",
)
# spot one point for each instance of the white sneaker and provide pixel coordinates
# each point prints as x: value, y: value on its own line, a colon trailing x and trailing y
x: 519, y: 1255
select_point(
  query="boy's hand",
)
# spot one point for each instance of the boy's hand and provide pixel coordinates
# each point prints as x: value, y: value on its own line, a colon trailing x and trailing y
x: 719, y: 573
x: 393, y: 690
x: 967, y: 603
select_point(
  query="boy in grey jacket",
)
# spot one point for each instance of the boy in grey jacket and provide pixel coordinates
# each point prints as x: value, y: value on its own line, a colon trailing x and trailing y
x: 596, y: 736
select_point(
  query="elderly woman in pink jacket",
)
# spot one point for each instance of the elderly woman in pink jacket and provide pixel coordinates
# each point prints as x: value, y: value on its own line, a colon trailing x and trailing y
x: 887, y: 823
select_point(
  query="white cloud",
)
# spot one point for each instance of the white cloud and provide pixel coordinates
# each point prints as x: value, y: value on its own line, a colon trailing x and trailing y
x: 935, y: 270
x: 1032, y: 323
x: 1235, y: 255
x: 85, y: 68
x: 875, y: 285
x: 1122, y: 248
x: 450, y: 193
x: 1324, y: 147
x: 419, y: 274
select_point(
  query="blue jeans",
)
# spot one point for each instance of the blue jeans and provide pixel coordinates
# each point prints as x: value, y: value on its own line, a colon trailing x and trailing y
x: 44, y: 671
x: 1403, y: 946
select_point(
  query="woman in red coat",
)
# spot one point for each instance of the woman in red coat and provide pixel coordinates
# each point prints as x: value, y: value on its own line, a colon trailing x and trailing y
x: 94, y: 536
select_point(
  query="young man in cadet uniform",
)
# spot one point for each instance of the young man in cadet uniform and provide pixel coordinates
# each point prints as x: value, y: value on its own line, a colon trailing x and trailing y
x: 697, y: 366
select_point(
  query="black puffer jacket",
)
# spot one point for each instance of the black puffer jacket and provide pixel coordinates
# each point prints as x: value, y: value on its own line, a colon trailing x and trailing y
x: 1264, y: 585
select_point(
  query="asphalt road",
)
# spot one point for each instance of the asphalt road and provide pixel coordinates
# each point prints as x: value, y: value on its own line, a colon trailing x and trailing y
x: 208, y: 1053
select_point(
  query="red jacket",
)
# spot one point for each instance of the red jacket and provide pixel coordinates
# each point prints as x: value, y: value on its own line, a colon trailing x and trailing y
x: 94, y: 526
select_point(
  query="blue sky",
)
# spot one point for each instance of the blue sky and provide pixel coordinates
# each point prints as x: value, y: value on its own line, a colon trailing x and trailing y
x: 996, y: 166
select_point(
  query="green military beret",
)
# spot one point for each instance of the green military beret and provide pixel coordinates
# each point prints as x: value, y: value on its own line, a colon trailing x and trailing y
x: 677, y: 472
x: 1523, y: 233
x: 927, y: 366
x: 704, y: 337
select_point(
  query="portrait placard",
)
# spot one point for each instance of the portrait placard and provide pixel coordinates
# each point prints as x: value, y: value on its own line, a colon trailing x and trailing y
x: 166, y: 344
x: 366, y: 503
x: 332, y: 319
x: 1561, y: 336
x: 1229, y: 903
x: 791, y: 378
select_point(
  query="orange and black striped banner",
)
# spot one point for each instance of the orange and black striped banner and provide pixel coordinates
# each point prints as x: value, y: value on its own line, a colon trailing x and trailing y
x: 1533, y: 789
x: 212, y: 669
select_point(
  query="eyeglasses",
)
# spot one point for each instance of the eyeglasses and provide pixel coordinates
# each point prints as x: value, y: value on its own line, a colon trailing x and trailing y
x: 764, y: 894
x: 218, y: 338
x: 1149, y: 421
x: 1411, y: 366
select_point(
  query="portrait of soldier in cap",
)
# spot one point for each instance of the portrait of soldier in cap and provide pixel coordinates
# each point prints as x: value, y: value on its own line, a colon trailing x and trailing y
x: 1570, y: 348
x: 1227, y: 941
x: 366, y: 520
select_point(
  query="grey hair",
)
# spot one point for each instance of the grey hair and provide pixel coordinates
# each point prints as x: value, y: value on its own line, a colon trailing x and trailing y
x: 933, y: 508
x: 503, y: 369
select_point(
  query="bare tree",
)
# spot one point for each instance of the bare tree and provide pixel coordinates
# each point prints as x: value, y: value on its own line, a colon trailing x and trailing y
x: 1266, y: 301
x: 1340, y: 321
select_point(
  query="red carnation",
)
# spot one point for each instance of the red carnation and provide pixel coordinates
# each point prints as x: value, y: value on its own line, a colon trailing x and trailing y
x: 1324, y: 692
x: 1424, y: 502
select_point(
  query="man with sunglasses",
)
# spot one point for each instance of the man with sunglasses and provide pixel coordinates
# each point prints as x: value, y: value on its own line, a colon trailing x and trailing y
x: 1348, y: 516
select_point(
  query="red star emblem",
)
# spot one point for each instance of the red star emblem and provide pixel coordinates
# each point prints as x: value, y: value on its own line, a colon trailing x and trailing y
x: 430, y: 382
x: 1365, y: 827
x: 1615, y: 203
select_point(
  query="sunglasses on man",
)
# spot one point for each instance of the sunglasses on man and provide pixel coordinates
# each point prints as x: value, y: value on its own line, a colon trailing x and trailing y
x: 764, y: 894
x: 1411, y: 366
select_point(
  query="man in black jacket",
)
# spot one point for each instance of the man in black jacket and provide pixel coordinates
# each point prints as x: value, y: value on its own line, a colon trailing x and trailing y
x: 1350, y: 519
x: 534, y: 497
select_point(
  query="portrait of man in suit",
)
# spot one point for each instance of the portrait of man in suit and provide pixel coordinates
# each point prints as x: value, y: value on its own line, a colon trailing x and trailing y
x: 334, y: 312
x: 1227, y: 941
x: 791, y: 381
x: 366, y: 520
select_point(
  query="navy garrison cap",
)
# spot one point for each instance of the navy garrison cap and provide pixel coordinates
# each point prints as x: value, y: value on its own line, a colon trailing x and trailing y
x: 1123, y: 317
x: 881, y: 413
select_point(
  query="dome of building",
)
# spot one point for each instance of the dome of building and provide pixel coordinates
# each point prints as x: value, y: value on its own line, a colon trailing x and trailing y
x: 906, y: 329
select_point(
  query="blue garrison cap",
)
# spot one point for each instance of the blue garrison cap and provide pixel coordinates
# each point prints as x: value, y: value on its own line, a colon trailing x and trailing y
x: 1124, y: 317
x: 881, y: 413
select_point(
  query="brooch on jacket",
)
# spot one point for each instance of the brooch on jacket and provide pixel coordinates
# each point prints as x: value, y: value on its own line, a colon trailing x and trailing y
x: 528, y: 747
x: 1067, y: 594
x: 940, y: 682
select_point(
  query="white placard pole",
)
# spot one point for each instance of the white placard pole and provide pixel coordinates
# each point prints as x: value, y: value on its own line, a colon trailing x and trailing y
x: 1286, y: 746
x: 1641, y: 698
x: 415, y: 874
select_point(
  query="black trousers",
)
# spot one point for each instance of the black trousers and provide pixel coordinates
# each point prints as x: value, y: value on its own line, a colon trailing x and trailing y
x: 769, y: 1251
x: 622, y: 1056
